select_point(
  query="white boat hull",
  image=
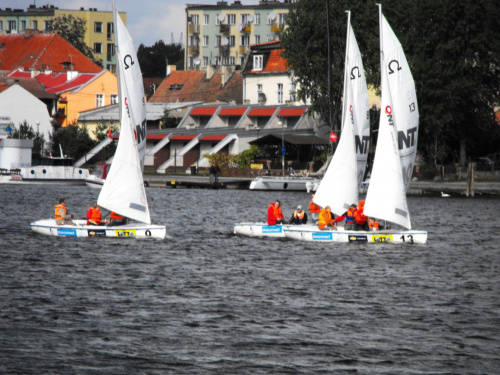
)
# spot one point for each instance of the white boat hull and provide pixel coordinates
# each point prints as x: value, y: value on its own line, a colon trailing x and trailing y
x: 94, y: 181
x: 80, y: 229
x: 312, y: 233
x: 258, y: 230
x: 284, y: 183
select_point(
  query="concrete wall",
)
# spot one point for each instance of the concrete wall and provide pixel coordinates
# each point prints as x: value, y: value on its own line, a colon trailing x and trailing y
x: 15, y: 153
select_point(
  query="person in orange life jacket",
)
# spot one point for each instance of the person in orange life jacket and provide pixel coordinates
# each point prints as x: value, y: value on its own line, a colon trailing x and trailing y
x: 299, y: 216
x: 61, y: 214
x: 360, y: 217
x: 95, y: 216
x: 314, y: 209
x: 115, y: 219
x: 326, y: 219
x: 274, y: 214
x: 373, y: 225
x: 89, y: 213
x: 350, y: 218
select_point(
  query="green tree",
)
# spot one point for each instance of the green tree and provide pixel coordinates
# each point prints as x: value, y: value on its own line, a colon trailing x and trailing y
x: 153, y: 59
x: 73, y: 139
x: 101, y: 132
x: 73, y: 30
x: 26, y: 131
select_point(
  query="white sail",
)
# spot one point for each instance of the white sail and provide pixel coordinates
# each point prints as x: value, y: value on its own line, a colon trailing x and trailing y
x: 123, y: 190
x: 340, y: 186
x: 404, y: 98
x: 356, y: 80
x: 386, y: 196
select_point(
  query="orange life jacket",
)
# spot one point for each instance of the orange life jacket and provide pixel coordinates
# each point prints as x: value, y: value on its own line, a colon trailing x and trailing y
x: 360, y: 217
x: 277, y: 213
x: 314, y: 208
x: 113, y: 215
x: 324, y: 219
x: 374, y: 226
x: 297, y: 215
x: 57, y: 214
x: 96, y: 216
x: 350, y: 216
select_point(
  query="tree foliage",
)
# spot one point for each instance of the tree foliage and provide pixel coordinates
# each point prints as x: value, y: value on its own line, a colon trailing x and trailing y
x: 453, y: 50
x: 153, y: 59
x: 73, y: 139
x: 26, y: 131
x: 73, y: 30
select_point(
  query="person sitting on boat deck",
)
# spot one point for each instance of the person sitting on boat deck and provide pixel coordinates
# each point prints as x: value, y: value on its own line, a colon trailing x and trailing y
x: 274, y: 214
x: 326, y: 219
x: 90, y: 212
x: 360, y: 217
x: 350, y: 218
x: 299, y: 216
x: 61, y: 214
x: 373, y: 225
x: 115, y: 219
x: 314, y: 209
x: 95, y: 216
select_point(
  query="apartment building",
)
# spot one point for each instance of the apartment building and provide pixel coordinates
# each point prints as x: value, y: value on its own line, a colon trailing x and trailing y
x: 99, y: 34
x: 221, y: 34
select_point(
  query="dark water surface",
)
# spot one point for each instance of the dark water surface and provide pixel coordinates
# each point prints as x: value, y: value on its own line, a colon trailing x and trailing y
x: 204, y: 301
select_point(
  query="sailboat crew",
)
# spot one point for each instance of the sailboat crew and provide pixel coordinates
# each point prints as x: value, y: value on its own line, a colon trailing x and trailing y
x: 61, y: 214
x: 274, y: 214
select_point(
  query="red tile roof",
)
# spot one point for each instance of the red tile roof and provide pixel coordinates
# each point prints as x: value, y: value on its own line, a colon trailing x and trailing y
x: 41, y: 52
x: 191, y: 86
x: 275, y: 63
x: 262, y: 112
x: 238, y: 111
x: 29, y: 84
x: 203, y: 111
x: 292, y: 112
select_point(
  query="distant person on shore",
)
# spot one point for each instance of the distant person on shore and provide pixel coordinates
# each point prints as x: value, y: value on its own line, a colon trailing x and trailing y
x: 314, y: 209
x: 61, y: 214
x: 214, y: 173
x: 274, y: 214
x: 299, y: 216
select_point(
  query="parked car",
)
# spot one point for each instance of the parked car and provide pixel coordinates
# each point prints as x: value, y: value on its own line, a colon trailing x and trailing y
x: 484, y: 161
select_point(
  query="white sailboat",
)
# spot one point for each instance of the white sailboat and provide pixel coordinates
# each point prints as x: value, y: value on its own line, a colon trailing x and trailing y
x: 386, y: 198
x: 123, y: 191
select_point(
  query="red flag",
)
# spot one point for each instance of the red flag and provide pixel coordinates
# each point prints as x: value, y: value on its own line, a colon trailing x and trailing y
x: 333, y: 137
x: 110, y: 135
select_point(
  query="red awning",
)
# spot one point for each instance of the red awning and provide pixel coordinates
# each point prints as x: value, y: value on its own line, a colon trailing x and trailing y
x: 232, y: 111
x: 262, y: 112
x: 213, y: 138
x: 188, y: 137
x: 203, y: 111
x: 291, y: 112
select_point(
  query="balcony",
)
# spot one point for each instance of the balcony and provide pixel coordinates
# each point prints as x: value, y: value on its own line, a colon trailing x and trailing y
x: 244, y: 28
x: 276, y: 27
x: 194, y: 50
x: 224, y: 28
x: 194, y: 29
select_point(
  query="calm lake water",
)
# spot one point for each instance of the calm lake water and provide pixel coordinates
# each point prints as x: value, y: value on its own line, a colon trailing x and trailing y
x: 204, y: 301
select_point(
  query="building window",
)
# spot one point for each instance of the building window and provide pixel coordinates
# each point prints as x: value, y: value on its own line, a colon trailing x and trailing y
x: 48, y: 26
x: 259, y: 92
x: 232, y: 40
x: 111, y: 68
x: 217, y: 40
x: 113, y: 98
x: 110, y: 30
x: 110, y: 52
x: 98, y: 47
x: 34, y: 24
x: 1, y: 25
x: 216, y: 61
x: 244, y: 40
x: 98, y: 27
x: 206, y: 19
x: 257, y: 62
x: 231, y: 19
x: 242, y: 60
x: 281, y: 19
x: 280, y: 93
x: 22, y: 25
x: 270, y: 18
x: 257, y: 19
x: 244, y: 18
x: 205, y: 40
x: 195, y: 19
x: 293, y: 92
x: 12, y: 26
x: 205, y: 62
x: 256, y: 39
x: 99, y: 100
x: 231, y: 61
x: 217, y: 19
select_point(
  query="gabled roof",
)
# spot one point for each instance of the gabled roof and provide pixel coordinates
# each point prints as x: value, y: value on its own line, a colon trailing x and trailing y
x: 273, y: 62
x: 41, y: 52
x: 188, y: 86
x: 58, y: 82
x: 29, y: 84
